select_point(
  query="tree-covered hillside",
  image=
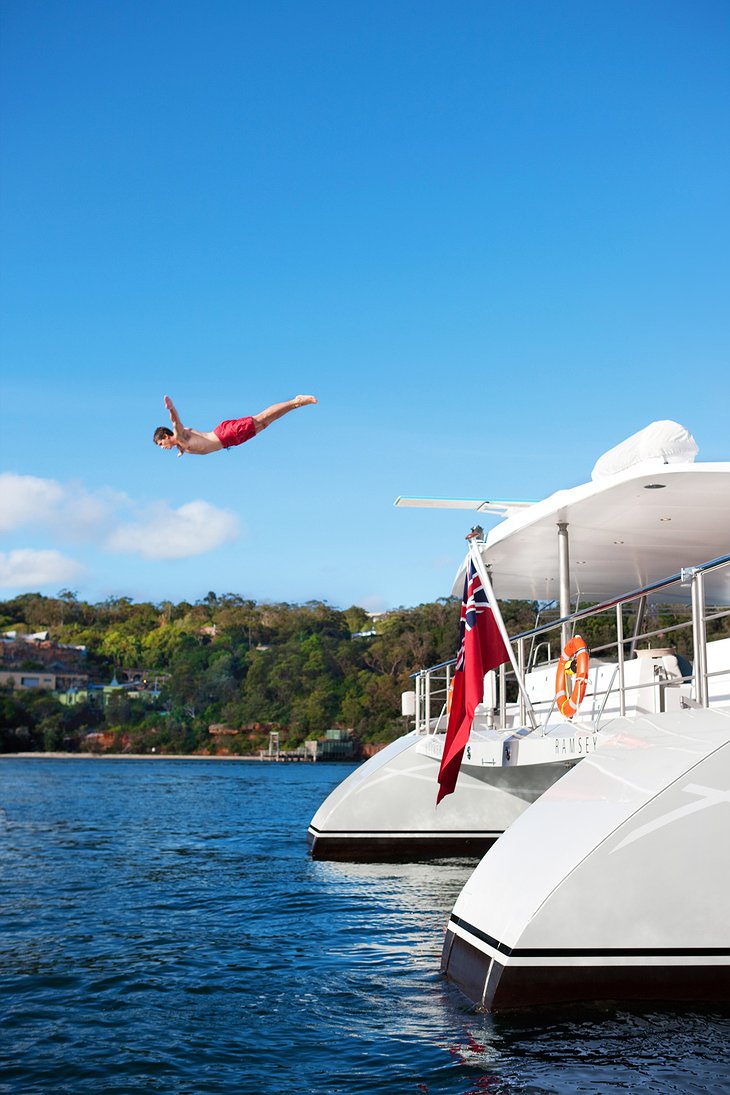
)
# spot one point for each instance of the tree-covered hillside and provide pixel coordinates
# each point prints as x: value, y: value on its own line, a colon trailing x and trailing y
x: 228, y: 662
x: 234, y: 665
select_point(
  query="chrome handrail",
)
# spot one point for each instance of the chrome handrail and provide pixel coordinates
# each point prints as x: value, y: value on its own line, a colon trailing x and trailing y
x: 698, y: 620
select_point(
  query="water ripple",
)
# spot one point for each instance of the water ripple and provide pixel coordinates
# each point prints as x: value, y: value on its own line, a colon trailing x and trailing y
x: 163, y: 930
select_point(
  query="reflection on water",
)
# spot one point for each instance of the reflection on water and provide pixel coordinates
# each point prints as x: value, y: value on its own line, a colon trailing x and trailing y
x: 164, y: 930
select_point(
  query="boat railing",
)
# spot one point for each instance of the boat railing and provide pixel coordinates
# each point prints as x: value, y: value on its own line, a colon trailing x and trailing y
x: 431, y: 697
x: 535, y: 654
x: 609, y: 693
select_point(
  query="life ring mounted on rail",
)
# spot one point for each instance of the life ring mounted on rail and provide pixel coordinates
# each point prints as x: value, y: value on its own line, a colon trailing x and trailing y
x: 573, y: 664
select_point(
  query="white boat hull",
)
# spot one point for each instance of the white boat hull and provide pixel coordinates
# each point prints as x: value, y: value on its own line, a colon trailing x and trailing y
x: 386, y: 808
x: 615, y: 884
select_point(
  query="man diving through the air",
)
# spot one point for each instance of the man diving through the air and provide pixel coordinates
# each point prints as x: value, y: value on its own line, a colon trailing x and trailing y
x: 234, y: 431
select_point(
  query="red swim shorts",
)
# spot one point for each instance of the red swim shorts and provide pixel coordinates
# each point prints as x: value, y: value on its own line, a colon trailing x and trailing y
x: 234, y: 431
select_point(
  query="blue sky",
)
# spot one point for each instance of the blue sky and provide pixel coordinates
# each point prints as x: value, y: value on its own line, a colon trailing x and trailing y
x: 491, y: 238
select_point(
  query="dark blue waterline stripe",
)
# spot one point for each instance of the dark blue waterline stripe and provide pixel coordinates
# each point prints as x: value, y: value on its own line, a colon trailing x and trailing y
x: 444, y: 835
x: 587, y: 952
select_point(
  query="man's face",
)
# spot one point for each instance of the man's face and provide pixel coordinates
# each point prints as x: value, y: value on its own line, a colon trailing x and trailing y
x: 165, y: 442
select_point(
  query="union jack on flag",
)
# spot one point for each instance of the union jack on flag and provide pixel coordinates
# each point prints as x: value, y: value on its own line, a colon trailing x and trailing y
x: 481, y: 648
x: 473, y: 602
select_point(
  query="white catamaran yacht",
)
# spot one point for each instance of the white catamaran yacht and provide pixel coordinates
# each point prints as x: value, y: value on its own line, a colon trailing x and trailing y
x: 648, y: 511
x: 615, y: 884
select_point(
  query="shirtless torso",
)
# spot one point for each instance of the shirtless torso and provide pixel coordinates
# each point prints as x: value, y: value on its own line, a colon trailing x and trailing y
x: 185, y: 439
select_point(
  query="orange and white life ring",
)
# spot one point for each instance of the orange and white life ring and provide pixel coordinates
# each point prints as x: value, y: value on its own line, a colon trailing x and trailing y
x: 573, y: 665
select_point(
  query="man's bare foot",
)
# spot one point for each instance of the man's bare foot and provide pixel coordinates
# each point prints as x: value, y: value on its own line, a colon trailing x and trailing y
x: 303, y: 400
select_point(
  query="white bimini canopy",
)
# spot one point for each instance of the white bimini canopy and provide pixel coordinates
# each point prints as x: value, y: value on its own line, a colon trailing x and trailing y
x: 627, y: 528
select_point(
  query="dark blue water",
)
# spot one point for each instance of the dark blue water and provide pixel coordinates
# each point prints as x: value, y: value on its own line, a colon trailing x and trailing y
x: 163, y: 930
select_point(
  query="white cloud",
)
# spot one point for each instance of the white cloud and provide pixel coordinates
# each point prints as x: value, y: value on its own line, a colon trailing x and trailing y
x: 25, y: 500
x: 28, y: 569
x: 111, y: 520
x: 165, y: 533
x: 64, y: 507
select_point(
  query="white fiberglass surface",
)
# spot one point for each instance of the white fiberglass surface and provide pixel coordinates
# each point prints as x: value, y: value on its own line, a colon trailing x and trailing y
x: 580, y: 811
x: 624, y: 533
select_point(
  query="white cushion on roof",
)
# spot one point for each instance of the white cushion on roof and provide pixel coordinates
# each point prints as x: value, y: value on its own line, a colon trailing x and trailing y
x: 666, y: 441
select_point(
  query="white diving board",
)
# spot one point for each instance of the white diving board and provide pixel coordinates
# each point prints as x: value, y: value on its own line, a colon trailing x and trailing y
x: 478, y: 504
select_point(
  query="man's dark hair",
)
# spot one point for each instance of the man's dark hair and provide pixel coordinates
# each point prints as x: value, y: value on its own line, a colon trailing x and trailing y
x: 160, y: 432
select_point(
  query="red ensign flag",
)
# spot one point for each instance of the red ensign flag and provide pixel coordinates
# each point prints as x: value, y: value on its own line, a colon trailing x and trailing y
x: 481, y: 649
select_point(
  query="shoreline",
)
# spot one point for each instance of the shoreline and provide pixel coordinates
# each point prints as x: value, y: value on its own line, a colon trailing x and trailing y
x: 144, y: 756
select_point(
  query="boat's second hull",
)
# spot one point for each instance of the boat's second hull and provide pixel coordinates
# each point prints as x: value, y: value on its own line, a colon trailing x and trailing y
x: 386, y: 809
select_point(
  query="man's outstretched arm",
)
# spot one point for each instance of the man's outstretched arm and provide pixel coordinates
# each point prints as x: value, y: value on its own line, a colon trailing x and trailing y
x: 180, y: 433
x: 177, y: 427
